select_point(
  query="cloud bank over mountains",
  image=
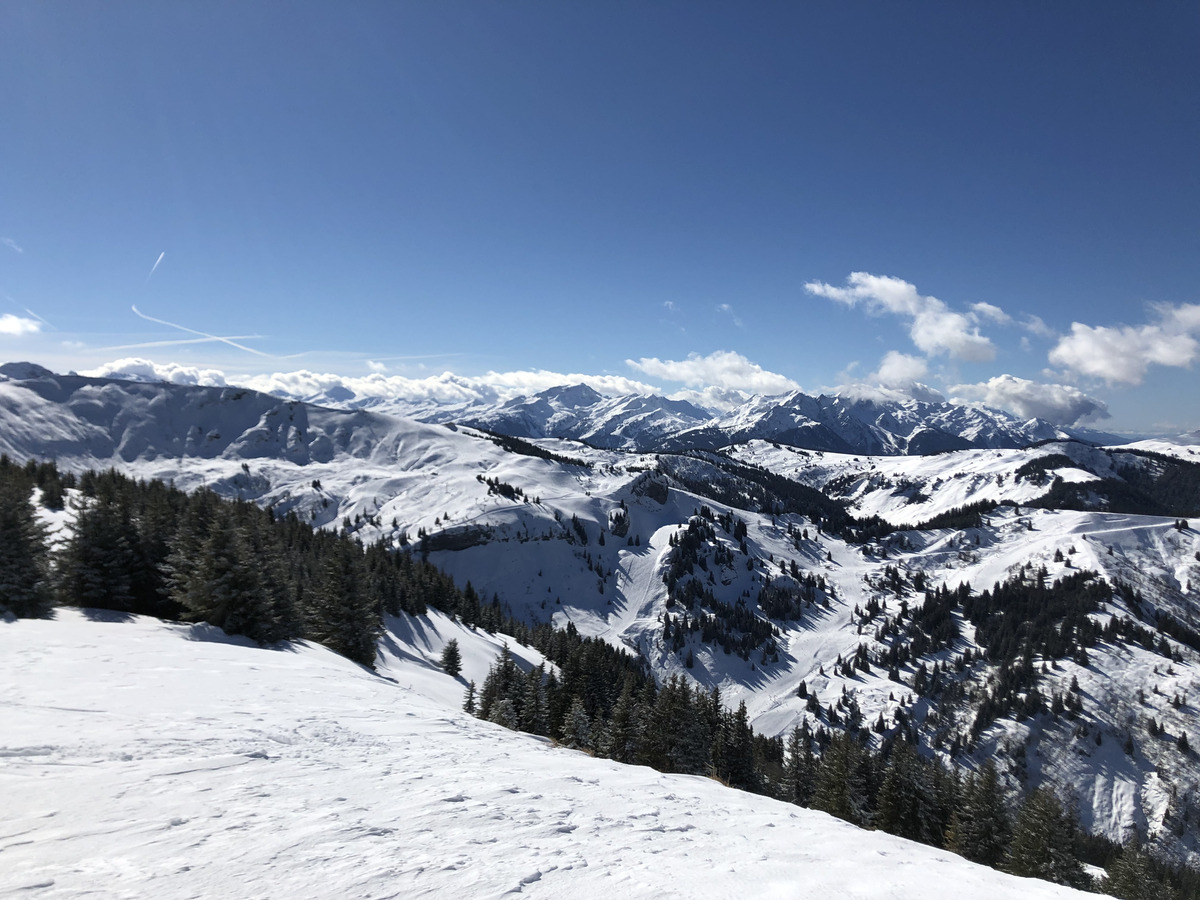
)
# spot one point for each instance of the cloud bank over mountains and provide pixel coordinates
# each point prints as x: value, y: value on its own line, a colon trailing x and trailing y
x: 934, y: 328
x: 723, y: 369
x: 1057, y: 403
x: 945, y: 339
x: 718, y: 382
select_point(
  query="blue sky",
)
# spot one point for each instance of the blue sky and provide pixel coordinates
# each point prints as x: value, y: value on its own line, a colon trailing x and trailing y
x: 1001, y: 201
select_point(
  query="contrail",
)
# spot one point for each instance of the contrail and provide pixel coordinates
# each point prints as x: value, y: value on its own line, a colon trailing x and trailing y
x: 204, y: 334
x: 145, y: 345
x: 155, y: 266
x: 36, y: 316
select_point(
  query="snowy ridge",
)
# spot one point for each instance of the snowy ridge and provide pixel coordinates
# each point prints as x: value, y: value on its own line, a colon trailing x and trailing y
x: 160, y: 759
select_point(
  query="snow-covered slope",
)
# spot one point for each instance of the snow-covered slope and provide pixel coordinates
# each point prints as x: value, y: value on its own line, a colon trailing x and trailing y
x: 145, y: 759
x: 320, y: 463
x: 913, y: 489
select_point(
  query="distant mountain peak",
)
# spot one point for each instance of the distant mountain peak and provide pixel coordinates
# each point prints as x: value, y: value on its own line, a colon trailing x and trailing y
x: 574, y: 396
x: 23, y: 371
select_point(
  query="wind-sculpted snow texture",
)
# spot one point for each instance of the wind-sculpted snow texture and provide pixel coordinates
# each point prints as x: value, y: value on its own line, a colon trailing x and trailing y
x: 592, y: 538
x: 145, y: 759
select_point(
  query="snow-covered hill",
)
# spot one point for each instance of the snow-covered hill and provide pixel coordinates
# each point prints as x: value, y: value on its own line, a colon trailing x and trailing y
x: 141, y: 758
x: 909, y: 490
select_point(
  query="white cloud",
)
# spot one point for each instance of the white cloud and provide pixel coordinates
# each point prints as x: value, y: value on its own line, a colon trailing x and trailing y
x: 712, y: 398
x: 445, y: 388
x: 878, y: 393
x: 670, y: 306
x: 377, y: 367
x: 1124, y: 353
x: 137, y: 369
x: 934, y: 327
x: 17, y: 325
x: 1186, y: 316
x: 1059, y: 404
x: 899, y: 369
x: 1034, y: 325
x: 722, y: 369
x: 530, y: 382
x: 12, y: 245
x: 983, y: 310
x: 306, y: 385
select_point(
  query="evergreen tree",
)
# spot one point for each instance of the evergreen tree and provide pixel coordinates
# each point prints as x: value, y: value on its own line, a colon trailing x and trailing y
x: 24, y: 560
x: 96, y: 568
x: 220, y: 584
x: 1043, y: 842
x: 843, y: 782
x: 679, y: 729
x: 733, y: 750
x: 226, y: 567
x: 1130, y: 877
x: 502, y: 683
x: 799, y: 768
x: 451, y: 658
x: 907, y: 803
x: 577, y: 729
x: 535, y: 704
x: 981, y: 827
x: 340, y: 612
x: 504, y: 713
x: 619, y: 739
x: 264, y: 549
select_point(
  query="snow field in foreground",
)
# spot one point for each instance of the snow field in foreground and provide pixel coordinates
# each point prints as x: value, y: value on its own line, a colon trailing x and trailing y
x: 139, y: 758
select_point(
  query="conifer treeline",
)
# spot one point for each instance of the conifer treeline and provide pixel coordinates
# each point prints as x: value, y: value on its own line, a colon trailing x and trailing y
x: 148, y: 548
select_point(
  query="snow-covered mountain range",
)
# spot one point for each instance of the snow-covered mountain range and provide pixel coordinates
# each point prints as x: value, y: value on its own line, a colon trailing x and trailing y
x: 858, y: 419
x: 885, y: 424
x: 820, y: 547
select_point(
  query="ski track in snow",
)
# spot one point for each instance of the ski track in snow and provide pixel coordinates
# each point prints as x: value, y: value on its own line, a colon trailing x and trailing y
x: 141, y: 759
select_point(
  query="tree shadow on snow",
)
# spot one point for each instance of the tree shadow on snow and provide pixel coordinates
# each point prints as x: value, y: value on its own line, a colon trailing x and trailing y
x: 106, y: 615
